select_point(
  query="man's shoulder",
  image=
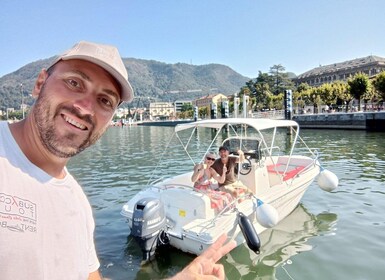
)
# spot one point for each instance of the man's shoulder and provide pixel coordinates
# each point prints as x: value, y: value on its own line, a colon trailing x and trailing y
x: 216, y: 163
x: 233, y: 159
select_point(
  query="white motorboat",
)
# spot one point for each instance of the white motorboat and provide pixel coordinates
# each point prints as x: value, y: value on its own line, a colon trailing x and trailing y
x: 278, y: 169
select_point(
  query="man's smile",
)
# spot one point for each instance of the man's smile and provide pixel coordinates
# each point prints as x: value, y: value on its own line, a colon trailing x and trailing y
x: 75, y: 123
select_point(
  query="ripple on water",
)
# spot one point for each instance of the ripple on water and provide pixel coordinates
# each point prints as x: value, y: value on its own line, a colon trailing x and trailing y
x: 341, y: 231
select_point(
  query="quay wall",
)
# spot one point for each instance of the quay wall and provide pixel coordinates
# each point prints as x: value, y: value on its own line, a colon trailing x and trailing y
x: 163, y: 123
x: 370, y: 121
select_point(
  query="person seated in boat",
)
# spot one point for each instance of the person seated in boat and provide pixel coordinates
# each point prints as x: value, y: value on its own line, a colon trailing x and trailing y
x: 225, y: 168
x: 203, y: 174
x: 206, y: 180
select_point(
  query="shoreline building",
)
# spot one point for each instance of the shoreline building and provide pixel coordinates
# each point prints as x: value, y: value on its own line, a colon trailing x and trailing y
x: 162, y: 110
x: 210, y: 102
x: 370, y: 65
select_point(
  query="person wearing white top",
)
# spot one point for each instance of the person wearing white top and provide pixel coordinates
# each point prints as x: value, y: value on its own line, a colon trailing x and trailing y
x: 46, y: 223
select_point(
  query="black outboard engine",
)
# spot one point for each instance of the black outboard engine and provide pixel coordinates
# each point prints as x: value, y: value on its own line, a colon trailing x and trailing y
x: 148, y: 225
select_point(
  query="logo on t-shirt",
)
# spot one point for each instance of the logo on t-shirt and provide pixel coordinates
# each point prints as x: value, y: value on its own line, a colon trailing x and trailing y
x: 17, y: 214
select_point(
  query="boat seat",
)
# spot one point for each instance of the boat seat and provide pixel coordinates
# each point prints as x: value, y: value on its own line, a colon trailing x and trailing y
x: 291, y: 171
x: 186, y: 204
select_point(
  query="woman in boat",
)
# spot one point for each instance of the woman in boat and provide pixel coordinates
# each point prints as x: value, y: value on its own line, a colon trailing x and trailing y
x: 206, y: 180
x: 203, y: 174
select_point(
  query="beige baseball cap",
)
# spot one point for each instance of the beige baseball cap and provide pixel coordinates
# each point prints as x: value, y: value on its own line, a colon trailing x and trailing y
x: 105, y: 56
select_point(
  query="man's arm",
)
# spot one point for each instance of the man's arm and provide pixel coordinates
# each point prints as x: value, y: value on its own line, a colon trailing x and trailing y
x: 241, y: 157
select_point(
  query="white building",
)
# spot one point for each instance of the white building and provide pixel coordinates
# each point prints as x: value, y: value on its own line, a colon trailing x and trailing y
x: 162, y: 110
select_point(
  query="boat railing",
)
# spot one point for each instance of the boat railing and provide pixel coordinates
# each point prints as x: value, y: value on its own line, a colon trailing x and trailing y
x: 315, y: 153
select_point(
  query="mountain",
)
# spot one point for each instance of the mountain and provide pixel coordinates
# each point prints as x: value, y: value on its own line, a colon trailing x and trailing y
x: 150, y: 79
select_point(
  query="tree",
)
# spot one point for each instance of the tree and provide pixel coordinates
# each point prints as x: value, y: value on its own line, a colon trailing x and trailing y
x: 249, y: 86
x: 276, y: 71
x: 265, y: 86
x: 379, y: 84
x: 302, y: 87
x: 280, y: 78
x: 260, y: 91
x: 276, y: 101
x: 358, y: 86
x: 203, y: 112
x: 262, y: 94
x: 340, y: 90
x: 299, y: 97
x: 314, y: 97
x: 327, y: 95
x: 264, y: 80
x: 186, y: 107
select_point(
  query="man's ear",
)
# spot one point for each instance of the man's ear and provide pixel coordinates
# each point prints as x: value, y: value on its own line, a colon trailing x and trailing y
x: 39, y: 83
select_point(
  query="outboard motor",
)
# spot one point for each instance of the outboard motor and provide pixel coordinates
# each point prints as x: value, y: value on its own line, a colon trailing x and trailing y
x: 148, y: 225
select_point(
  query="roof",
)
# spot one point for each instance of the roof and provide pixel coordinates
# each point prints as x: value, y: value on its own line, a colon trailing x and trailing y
x: 331, y: 68
x: 258, y: 124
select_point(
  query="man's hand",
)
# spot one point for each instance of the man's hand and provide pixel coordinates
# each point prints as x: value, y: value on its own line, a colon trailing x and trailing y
x: 205, y: 266
x: 241, y: 156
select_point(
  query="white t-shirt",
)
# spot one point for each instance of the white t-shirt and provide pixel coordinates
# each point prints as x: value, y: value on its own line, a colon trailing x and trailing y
x: 46, y: 224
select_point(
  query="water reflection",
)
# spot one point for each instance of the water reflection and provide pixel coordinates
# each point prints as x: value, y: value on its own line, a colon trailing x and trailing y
x: 285, y: 240
x: 120, y: 165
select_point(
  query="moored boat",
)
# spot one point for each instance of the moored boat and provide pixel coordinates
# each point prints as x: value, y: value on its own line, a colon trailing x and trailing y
x: 278, y: 169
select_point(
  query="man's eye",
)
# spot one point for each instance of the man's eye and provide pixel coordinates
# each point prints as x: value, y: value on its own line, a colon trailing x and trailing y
x: 73, y: 83
x: 106, y: 102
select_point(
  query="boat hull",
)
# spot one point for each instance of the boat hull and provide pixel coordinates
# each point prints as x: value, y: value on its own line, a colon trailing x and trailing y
x: 193, y: 225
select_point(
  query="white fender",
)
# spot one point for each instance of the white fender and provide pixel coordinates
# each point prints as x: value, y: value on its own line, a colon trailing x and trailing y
x: 327, y: 180
x: 267, y: 215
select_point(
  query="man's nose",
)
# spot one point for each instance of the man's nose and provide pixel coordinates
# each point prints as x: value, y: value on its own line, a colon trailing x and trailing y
x: 85, y: 105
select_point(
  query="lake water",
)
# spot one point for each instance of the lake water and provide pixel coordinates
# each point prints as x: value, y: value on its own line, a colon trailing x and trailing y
x: 338, y: 235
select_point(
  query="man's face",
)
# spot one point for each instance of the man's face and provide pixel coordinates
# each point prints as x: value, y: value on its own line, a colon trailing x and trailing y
x: 74, y: 107
x: 224, y: 154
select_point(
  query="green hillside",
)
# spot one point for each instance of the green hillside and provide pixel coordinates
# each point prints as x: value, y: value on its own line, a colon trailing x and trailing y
x: 151, y: 80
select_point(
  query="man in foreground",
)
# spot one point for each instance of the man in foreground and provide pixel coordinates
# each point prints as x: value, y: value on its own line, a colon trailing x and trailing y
x: 46, y: 223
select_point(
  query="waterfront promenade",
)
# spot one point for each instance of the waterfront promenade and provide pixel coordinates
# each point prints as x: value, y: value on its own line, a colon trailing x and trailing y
x: 370, y: 121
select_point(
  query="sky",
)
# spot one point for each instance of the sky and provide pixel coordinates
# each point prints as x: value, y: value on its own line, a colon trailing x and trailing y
x: 247, y: 35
